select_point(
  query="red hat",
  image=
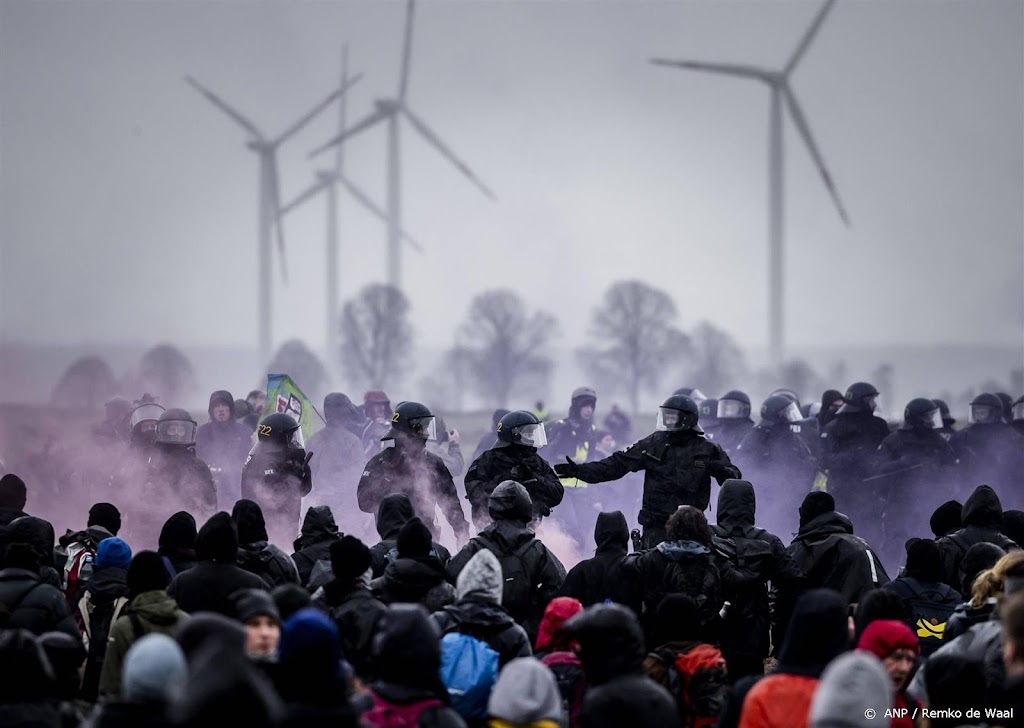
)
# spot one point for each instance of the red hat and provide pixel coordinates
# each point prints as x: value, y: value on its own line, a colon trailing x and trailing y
x: 558, y: 612
x: 884, y: 636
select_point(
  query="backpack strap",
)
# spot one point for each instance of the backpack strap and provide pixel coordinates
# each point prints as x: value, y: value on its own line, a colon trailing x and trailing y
x: 138, y: 630
x: 170, y: 567
x: 11, y: 608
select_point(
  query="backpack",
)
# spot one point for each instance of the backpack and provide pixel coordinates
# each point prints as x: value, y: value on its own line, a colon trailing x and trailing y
x: 96, y: 622
x: 389, y: 715
x: 519, y: 592
x: 78, y: 570
x: 572, y: 682
x: 927, y: 614
x: 469, y: 669
x: 321, y: 573
x: 697, y: 681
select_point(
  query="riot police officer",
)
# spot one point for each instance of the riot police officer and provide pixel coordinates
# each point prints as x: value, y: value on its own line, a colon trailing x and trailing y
x: 734, y: 421
x: 276, y: 475
x: 514, y: 457
x: 988, y: 447
x: 678, y: 464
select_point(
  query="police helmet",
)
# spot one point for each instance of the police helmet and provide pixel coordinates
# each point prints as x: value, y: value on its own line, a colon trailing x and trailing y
x: 985, y: 409
x: 734, y: 405
x: 279, y: 431
x: 861, y: 395
x: 143, y: 422
x: 677, y: 413
x: 922, y: 414
x: 412, y: 419
x: 521, y: 428
x: 780, y: 408
x: 176, y: 427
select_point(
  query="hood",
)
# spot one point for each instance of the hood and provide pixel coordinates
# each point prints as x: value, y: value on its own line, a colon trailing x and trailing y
x: 510, y: 502
x: 407, y: 648
x: 339, y: 410
x: 946, y: 518
x: 156, y: 607
x: 318, y: 526
x: 407, y: 579
x: 851, y: 686
x: 481, y: 614
x: 34, y: 531
x: 13, y: 493
x: 221, y: 396
x: 154, y: 670
x: 559, y: 611
x: 826, y: 523
x: 481, y: 577
x: 218, y: 539
x: 108, y: 584
x: 393, y: 513
x: 526, y: 693
x: 28, y: 675
x: 311, y: 656
x: 611, y: 533
x: 983, y: 509
x: 248, y: 518
x: 207, y: 629
x: 736, y: 506
x: 509, y: 535
x: 681, y: 550
x: 92, y: 535
x: 611, y: 642
x: 224, y: 681
x: 178, y: 532
x: 817, y: 634
x: 825, y: 415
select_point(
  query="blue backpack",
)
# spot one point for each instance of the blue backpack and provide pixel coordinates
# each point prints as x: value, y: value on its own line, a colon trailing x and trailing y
x: 469, y: 669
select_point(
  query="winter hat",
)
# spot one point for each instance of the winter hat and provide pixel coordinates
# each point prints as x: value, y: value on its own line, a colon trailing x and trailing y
x: 218, y: 539
x: 28, y: 675
x: 884, y: 636
x: 13, y: 494
x: 482, y: 577
x: 526, y: 693
x: 241, y: 409
x: 248, y: 517
x: 105, y: 515
x: 818, y: 633
x: 206, y: 628
x: 253, y: 603
x: 611, y: 642
x: 953, y: 682
x: 66, y: 655
x: 924, y: 561
x: 113, y: 552
x: 853, y: 687
x: 290, y: 598
x: 559, y: 611
x: 221, y: 396
x: 350, y: 558
x: 1013, y: 526
x: 147, y: 572
x: 178, y: 532
x: 816, y: 503
x: 154, y: 670
x: 310, y: 641
x: 407, y: 649
x: 946, y: 518
x: 414, y: 539
x: 978, y: 558
x: 875, y: 605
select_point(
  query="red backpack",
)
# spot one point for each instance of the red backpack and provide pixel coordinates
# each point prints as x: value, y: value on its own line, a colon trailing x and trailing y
x: 572, y: 683
x: 389, y: 715
x: 697, y: 681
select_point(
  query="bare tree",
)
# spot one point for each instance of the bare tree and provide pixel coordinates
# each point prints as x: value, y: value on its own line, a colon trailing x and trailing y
x: 716, y: 360
x: 87, y: 383
x: 168, y: 372
x: 506, y: 346
x: 799, y: 376
x: 635, y: 327
x: 377, y: 337
x: 296, y: 360
x: 447, y: 382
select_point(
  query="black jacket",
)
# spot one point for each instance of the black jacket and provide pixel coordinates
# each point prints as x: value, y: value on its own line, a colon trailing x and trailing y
x: 849, y: 442
x: 748, y: 559
x: 678, y: 467
x: 281, y: 473
x: 421, y: 581
x: 480, y: 618
x: 729, y: 433
x: 774, y: 453
x: 828, y: 555
x: 395, y: 511
x: 910, y: 590
x: 604, y: 576
x: 512, y: 462
x: 356, y: 612
x: 255, y: 553
x: 35, y: 605
x: 319, y: 531
x: 914, y: 446
x: 420, y: 475
x: 982, y: 517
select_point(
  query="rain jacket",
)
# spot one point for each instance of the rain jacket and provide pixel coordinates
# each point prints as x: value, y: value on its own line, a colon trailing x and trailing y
x: 604, y: 576
x: 319, y: 531
x: 982, y: 517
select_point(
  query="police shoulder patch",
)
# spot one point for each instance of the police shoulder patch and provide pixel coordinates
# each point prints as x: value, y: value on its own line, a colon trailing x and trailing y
x: 699, y: 463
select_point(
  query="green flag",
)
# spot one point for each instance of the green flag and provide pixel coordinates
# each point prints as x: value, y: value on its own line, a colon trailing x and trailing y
x: 284, y: 395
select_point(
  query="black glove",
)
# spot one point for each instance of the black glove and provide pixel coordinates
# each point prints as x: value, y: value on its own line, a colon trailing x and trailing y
x: 568, y: 470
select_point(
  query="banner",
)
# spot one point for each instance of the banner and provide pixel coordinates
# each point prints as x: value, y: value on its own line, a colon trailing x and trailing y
x: 284, y: 395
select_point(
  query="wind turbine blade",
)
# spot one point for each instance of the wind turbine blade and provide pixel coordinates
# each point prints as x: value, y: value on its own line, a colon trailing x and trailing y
x: 805, y: 131
x: 309, y: 193
x: 433, y: 139
x: 365, y: 123
x: 363, y: 199
x: 729, y: 69
x: 311, y: 114
x: 805, y: 42
x: 223, y: 106
x: 275, y: 203
x: 403, y: 83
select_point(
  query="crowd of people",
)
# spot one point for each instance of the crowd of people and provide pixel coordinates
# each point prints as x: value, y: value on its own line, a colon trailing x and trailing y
x: 234, y: 571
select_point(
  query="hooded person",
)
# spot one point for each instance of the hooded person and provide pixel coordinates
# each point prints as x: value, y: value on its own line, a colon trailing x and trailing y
x: 946, y: 519
x: 29, y: 684
x: 982, y: 518
x: 478, y: 612
x: 177, y: 543
x: 203, y: 631
x: 255, y: 552
x: 154, y: 675
x: 38, y: 533
x: 829, y: 556
x: 319, y: 531
x: 817, y: 634
x: 223, y: 444
x: 80, y: 548
x: 1013, y: 525
x: 851, y: 687
x: 30, y: 603
x: 955, y: 684
x: 416, y: 575
x: 209, y: 585
x: 896, y: 645
x: 533, y: 574
x: 13, y: 496
x: 557, y: 651
x: 67, y: 657
x: 831, y: 402
x: 338, y: 459
x: 611, y: 649
x: 395, y: 511
x: 603, y: 576
x: 105, y: 597
x: 349, y: 602
x: 149, y: 611
x: 525, y: 696
x: 927, y: 601
x: 408, y: 690
x: 290, y: 598
x: 749, y: 559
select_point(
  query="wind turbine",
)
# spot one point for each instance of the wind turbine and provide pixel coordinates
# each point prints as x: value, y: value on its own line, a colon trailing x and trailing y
x: 269, y: 192
x: 781, y: 93
x: 327, y: 181
x: 391, y: 110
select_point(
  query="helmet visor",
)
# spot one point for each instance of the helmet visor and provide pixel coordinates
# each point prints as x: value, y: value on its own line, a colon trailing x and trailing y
x: 176, y: 432
x: 295, y: 439
x: 791, y: 413
x: 729, y: 409
x: 425, y: 427
x: 871, y: 402
x: 981, y: 414
x: 935, y: 417
x: 669, y: 419
x: 1017, y: 413
x: 698, y: 396
x: 533, y: 435
x: 144, y: 413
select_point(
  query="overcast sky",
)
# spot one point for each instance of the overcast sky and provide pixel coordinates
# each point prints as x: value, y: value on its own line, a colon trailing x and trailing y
x: 128, y: 202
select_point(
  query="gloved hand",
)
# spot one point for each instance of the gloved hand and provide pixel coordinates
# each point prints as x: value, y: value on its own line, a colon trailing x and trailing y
x: 568, y: 470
